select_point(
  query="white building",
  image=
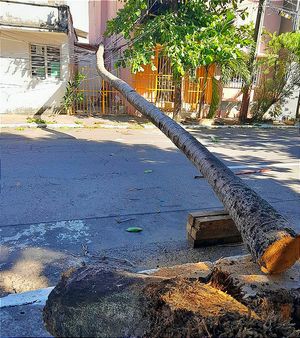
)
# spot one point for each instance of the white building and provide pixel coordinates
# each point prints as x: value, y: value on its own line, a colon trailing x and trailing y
x: 36, y: 47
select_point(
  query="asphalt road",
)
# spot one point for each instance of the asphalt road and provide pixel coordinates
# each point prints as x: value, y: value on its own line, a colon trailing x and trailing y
x: 67, y: 196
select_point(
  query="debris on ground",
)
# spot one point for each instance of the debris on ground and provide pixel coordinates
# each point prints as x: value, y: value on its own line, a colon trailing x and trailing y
x: 134, y: 229
x: 214, y: 139
x: 118, y: 220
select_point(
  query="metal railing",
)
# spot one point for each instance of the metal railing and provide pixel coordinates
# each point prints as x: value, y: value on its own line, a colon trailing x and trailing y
x: 99, y: 98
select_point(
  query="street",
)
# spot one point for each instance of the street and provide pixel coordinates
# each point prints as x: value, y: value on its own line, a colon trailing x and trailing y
x: 68, y: 196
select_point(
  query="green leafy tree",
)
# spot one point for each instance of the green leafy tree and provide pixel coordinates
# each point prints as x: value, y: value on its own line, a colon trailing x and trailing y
x: 280, y: 75
x: 191, y: 33
x: 72, y: 95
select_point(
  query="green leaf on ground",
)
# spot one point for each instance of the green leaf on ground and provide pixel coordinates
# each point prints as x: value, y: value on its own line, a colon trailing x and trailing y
x: 134, y: 229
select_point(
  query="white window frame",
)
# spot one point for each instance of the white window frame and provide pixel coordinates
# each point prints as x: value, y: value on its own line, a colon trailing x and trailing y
x: 45, y: 61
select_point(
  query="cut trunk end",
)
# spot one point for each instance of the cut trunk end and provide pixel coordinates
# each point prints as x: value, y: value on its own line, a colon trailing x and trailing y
x: 281, y: 255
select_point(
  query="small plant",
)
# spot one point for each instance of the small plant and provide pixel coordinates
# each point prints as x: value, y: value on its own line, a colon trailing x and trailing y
x: 36, y: 120
x: 72, y: 95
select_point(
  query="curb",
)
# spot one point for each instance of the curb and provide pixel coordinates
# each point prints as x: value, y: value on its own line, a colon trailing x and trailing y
x: 36, y: 297
x: 71, y: 125
x: 122, y: 126
x: 39, y: 125
x: 241, y: 127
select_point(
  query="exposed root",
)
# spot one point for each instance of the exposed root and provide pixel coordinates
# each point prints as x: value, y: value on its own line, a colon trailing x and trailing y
x: 176, y: 310
x: 223, y: 281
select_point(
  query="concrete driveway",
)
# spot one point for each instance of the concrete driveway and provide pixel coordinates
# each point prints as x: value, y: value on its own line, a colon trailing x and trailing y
x: 67, y: 196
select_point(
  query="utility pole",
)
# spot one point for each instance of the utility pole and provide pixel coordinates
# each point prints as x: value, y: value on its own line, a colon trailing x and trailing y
x: 247, y: 88
x: 296, y: 26
x: 298, y: 108
x: 296, y: 19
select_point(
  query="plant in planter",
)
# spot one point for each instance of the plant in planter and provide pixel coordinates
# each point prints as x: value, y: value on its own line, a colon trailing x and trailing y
x: 72, y: 95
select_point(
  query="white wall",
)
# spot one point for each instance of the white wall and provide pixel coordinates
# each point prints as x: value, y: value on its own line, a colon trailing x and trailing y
x: 36, y: 16
x: 19, y: 91
x: 80, y: 14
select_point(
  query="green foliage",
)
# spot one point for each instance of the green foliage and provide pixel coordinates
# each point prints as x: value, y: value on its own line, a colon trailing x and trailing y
x: 235, y: 68
x: 36, y: 120
x: 280, y: 74
x: 72, y: 95
x: 288, y: 41
x: 194, y: 33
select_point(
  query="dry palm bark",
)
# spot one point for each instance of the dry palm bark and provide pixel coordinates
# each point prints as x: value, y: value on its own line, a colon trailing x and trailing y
x: 268, y: 235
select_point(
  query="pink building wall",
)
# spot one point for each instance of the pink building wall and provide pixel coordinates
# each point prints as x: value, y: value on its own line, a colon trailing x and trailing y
x: 271, y: 22
x: 100, y: 11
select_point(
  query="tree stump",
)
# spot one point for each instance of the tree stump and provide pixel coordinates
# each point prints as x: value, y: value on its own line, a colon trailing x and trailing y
x: 97, y: 302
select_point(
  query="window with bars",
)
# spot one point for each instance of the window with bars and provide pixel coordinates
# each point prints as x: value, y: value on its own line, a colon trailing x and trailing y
x: 235, y: 82
x: 165, y: 83
x: 45, y: 61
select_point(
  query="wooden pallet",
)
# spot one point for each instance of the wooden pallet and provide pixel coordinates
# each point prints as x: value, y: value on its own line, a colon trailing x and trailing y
x: 211, y: 227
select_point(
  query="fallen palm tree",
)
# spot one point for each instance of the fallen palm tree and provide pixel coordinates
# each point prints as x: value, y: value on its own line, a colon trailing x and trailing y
x: 268, y: 235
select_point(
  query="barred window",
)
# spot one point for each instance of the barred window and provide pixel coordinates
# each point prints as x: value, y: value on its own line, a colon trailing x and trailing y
x: 235, y: 82
x: 45, y: 61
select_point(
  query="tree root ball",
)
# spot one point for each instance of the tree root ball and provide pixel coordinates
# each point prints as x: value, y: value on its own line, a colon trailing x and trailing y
x: 97, y: 302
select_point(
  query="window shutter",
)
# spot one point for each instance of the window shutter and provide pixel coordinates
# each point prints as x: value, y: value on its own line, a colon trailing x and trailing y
x: 38, y: 61
x: 45, y: 61
x: 53, y: 62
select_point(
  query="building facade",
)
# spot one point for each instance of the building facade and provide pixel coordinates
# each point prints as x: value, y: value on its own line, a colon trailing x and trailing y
x: 37, y: 46
x: 278, y: 16
x: 43, y: 46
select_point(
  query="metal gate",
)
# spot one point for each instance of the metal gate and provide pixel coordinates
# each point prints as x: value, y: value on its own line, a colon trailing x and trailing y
x: 99, y: 98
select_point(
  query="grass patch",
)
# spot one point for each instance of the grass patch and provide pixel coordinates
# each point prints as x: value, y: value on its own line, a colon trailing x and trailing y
x: 38, y: 120
x: 20, y: 128
x: 92, y: 127
x: 35, y: 120
x: 78, y: 122
x: 65, y: 128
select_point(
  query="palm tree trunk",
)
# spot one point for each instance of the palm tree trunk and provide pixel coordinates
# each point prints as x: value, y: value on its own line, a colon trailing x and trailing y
x: 267, y: 234
x: 177, y: 98
x: 245, y: 104
x: 203, y: 93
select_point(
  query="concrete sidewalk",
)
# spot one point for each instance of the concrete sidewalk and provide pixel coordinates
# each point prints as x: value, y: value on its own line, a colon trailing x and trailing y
x: 57, y: 121
x: 72, y: 121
